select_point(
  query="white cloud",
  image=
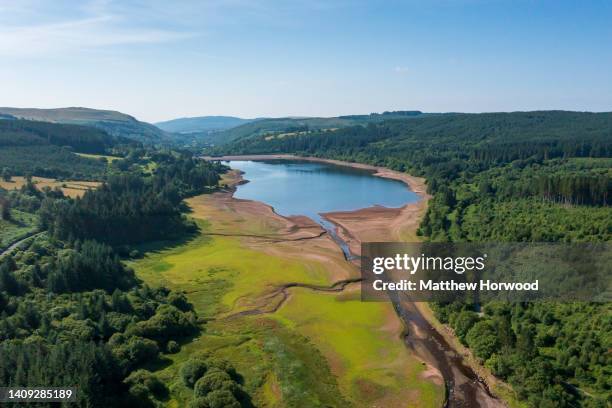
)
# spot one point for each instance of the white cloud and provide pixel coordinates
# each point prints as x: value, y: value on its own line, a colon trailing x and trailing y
x: 98, y: 27
x: 400, y: 70
x: 38, y: 28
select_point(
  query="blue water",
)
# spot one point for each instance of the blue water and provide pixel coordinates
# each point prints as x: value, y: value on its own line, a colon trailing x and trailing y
x: 309, y: 188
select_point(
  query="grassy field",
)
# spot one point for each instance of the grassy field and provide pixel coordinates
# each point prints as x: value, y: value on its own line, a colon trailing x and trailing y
x: 110, y: 159
x: 372, y: 368
x: 220, y: 275
x: 70, y: 188
x: 317, y: 349
x: 234, y: 275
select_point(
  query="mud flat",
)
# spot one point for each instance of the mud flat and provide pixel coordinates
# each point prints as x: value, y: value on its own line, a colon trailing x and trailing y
x: 378, y: 224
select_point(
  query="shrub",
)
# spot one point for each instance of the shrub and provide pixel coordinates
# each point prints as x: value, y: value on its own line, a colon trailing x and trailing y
x: 463, y: 322
x: 179, y: 301
x: 192, y: 371
x: 140, y: 396
x: 133, y: 350
x: 167, y: 322
x: 222, y: 365
x: 482, y: 339
x: 213, y: 380
x: 148, y: 380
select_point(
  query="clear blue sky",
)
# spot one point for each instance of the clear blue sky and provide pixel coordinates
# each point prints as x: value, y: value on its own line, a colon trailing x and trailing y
x: 163, y: 59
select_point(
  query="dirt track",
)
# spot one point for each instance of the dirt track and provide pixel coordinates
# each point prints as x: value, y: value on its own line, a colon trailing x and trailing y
x: 14, y: 245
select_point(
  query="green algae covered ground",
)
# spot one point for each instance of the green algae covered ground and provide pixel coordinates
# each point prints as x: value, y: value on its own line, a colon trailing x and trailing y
x: 319, y: 349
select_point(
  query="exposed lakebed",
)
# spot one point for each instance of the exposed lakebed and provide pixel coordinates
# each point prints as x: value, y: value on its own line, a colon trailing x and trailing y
x: 311, y: 188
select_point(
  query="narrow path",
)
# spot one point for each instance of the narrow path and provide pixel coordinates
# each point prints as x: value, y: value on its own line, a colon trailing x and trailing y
x: 16, y: 244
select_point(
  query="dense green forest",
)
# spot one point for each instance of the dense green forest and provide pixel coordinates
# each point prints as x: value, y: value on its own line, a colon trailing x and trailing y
x: 47, y: 149
x: 72, y: 314
x: 80, y: 138
x: 524, y: 176
x: 128, y: 208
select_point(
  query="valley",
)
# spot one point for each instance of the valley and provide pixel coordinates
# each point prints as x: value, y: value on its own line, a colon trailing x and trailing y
x: 252, y: 267
x: 306, y: 204
x: 249, y: 264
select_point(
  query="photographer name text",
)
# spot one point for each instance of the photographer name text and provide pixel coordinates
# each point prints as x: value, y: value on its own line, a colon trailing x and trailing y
x: 451, y: 285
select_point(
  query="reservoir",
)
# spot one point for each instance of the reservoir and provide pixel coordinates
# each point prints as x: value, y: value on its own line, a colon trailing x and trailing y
x: 294, y: 187
x: 311, y: 188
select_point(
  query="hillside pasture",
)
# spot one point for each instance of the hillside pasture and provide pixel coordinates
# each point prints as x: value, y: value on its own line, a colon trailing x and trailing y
x: 69, y: 188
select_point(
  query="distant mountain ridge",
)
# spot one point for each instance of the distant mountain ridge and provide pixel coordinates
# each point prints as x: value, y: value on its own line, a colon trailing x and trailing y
x: 113, y: 122
x: 202, y: 124
x: 193, y: 131
x: 400, y: 132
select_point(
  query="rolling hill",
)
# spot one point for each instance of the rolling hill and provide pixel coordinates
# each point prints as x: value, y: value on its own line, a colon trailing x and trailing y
x: 202, y: 124
x: 47, y: 149
x: 112, y: 122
